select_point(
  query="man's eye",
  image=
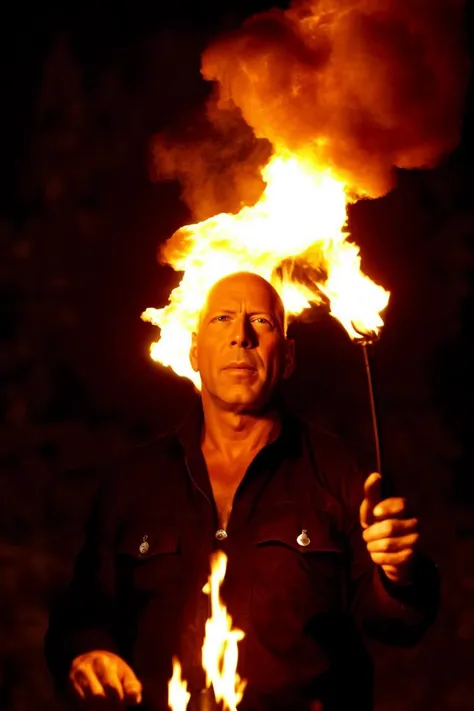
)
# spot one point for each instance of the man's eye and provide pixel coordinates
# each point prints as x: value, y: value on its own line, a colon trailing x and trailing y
x: 261, y: 319
x: 221, y: 317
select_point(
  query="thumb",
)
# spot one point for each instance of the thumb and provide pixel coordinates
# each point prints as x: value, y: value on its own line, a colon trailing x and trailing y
x: 132, y: 687
x: 372, y: 496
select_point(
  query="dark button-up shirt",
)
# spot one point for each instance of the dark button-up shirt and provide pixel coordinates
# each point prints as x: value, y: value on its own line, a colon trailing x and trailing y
x: 137, y: 588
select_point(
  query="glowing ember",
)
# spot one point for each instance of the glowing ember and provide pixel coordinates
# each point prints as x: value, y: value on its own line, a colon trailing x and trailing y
x: 300, y: 216
x: 219, y: 651
x: 178, y: 694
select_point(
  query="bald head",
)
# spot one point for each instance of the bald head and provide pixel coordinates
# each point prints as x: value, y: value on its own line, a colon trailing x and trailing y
x: 241, y: 285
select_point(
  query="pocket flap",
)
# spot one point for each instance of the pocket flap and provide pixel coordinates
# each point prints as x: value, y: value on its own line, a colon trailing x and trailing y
x: 309, y: 536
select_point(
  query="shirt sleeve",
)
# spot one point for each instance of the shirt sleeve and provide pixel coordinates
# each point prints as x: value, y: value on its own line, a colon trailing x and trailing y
x: 387, y: 612
x: 87, y: 618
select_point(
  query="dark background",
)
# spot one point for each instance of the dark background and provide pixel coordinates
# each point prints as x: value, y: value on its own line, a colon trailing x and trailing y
x: 83, y: 89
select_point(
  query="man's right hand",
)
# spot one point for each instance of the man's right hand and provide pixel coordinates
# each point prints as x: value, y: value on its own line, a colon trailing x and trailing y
x: 102, y: 676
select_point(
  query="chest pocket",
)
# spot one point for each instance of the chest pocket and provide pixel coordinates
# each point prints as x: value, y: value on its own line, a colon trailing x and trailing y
x: 150, y: 557
x: 298, y: 561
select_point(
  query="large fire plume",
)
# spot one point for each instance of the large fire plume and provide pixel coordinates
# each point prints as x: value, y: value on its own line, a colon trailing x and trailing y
x: 363, y: 85
x: 318, y: 105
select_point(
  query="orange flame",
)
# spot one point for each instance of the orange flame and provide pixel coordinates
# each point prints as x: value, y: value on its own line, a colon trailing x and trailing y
x: 301, y: 216
x: 219, y: 651
x: 342, y: 91
x: 178, y: 694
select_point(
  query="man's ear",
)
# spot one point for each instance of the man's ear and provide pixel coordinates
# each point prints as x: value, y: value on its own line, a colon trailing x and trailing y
x: 289, y: 365
x: 193, y: 353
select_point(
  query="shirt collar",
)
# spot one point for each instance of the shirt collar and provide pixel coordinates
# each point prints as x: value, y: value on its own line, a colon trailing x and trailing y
x: 288, y: 443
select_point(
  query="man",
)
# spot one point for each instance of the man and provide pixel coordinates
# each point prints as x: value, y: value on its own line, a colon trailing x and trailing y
x: 316, y: 560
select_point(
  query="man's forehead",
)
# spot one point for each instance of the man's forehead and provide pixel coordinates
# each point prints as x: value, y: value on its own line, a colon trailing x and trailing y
x: 237, y: 299
x: 248, y: 293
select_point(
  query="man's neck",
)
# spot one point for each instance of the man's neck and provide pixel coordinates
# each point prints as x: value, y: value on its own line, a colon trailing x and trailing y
x: 233, y: 433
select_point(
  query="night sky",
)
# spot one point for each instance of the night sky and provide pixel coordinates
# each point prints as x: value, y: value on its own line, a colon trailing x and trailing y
x: 84, y: 89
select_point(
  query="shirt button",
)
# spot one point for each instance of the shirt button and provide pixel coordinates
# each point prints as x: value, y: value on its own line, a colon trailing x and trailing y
x: 303, y: 539
x: 221, y: 535
x: 144, y: 546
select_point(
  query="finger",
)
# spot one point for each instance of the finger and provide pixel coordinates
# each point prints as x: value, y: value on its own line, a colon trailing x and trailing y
x: 394, y: 545
x: 86, y: 678
x: 114, y: 690
x: 106, y: 671
x: 390, y: 528
x: 131, y: 686
x: 390, y: 508
x: 397, y: 559
x: 133, y: 695
x: 77, y: 690
x: 372, y: 496
x: 373, y: 488
x: 74, y: 682
x: 391, y: 570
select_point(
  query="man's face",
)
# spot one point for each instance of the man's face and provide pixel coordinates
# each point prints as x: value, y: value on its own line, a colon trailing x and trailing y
x: 240, y: 349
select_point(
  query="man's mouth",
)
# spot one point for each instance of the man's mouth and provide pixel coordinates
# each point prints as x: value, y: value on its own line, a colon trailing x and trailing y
x: 239, y: 365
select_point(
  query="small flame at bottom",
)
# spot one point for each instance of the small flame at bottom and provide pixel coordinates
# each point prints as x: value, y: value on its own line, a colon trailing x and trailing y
x: 178, y: 694
x: 219, y: 651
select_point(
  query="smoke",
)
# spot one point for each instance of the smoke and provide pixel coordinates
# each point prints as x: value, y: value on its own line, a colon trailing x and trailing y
x: 217, y: 160
x: 360, y: 86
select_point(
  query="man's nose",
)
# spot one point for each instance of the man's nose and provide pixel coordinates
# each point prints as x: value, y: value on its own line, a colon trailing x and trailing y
x: 242, y: 333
